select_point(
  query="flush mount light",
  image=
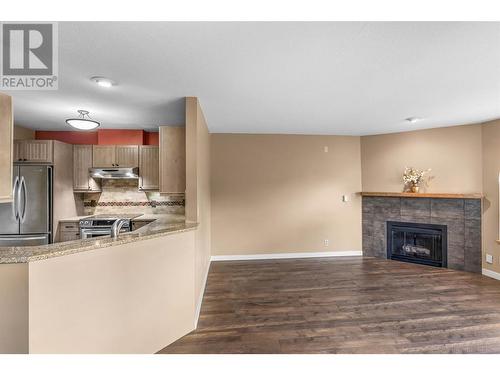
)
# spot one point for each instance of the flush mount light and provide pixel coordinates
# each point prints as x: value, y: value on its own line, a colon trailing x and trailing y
x: 413, y: 120
x: 103, y: 81
x: 83, y: 122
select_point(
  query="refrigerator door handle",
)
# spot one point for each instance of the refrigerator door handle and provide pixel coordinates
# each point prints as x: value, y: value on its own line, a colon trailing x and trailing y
x: 25, y: 198
x: 15, y: 196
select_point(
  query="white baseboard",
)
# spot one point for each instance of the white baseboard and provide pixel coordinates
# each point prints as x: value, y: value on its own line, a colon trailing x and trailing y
x: 219, y: 258
x: 200, y: 298
x: 492, y: 274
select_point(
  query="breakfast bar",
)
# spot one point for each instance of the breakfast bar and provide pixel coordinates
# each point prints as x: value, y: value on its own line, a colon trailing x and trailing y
x: 131, y: 294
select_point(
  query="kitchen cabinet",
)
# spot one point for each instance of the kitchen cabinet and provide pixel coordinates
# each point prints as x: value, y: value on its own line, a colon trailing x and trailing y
x: 115, y: 156
x: 6, y: 146
x: 34, y: 151
x: 82, y: 161
x: 149, y: 168
x: 70, y: 231
x: 103, y: 156
x: 127, y: 156
x: 172, y: 159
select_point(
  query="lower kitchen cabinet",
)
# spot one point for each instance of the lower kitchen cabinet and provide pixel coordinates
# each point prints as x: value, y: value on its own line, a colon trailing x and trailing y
x: 69, y: 231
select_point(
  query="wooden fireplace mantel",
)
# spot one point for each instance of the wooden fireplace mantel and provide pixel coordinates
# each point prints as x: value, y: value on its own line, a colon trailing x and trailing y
x: 422, y: 195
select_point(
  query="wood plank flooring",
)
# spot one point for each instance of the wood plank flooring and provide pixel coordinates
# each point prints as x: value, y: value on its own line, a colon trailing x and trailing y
x: 344, y: 305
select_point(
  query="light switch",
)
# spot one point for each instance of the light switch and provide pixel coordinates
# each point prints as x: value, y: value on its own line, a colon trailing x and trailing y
x: 325, y: 148
x: 489, y: 258
x: 345, y: 198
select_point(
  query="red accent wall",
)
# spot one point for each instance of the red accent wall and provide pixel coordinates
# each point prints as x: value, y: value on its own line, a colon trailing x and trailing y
x: 72, y: 137
x: 102, y: 137
x: 151, y: 138
x: 120, y: 137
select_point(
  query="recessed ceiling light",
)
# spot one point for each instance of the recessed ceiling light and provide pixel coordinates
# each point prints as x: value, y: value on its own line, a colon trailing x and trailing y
x: 103, y: 81
x: 83, y: 122
x: 413, y: 120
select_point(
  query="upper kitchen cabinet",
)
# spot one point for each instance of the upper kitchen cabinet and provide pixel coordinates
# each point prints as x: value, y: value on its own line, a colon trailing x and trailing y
x: 34, y: 151
x: 149, y: 159
x: 82, y: 162
x: 116, y: 156
x: 127, y: 156
x: 172, y: 159
x: 104, y: 156
x: 6, y: 135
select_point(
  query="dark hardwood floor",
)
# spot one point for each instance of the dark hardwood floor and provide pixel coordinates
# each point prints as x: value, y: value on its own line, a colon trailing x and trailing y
x: 344, y: 305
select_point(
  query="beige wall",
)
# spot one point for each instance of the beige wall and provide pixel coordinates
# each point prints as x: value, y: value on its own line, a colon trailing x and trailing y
x: 198, y: 204
x: 283, y: 193
x: 13, y: 308
x: 132, y: 298
x: 491, y: 170
x: 453, y: 154
x: 23, y: 133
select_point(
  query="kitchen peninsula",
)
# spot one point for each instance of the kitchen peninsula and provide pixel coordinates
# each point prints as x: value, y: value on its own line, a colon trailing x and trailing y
x: 132, y: 294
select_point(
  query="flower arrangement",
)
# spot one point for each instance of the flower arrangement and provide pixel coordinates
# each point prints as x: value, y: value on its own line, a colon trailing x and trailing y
x: 413, y: 178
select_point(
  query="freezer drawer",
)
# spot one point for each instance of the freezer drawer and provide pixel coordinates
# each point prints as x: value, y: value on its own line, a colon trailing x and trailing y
x: 24, y: 240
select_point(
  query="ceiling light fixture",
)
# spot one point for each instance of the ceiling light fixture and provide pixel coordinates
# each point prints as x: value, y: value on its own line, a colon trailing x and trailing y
x: 83, y: 122
x: 103, y: 81
x: 413, y: 120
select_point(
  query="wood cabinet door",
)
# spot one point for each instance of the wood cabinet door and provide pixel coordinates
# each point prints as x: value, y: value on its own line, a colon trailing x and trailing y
x: 149, y: 167
x: 38, y: 151
x: 172, y: 159
x: 127, y: 156
x: 103, y: 156
x: 18, y: 153
x: 69, y: 236
x: 82, y: 161
x: 6, y: 135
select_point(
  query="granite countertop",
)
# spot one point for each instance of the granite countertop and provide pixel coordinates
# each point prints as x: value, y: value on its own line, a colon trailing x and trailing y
x: 161, y: 226
x: 72, y: 219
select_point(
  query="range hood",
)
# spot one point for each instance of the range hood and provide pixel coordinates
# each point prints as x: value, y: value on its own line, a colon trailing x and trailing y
x: 114, y: 173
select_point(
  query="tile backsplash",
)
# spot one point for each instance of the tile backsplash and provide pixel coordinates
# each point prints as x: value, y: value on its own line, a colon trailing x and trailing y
x: 123, y: 196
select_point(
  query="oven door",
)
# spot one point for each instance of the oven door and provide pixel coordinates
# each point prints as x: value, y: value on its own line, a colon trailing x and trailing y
x: 92, y: 233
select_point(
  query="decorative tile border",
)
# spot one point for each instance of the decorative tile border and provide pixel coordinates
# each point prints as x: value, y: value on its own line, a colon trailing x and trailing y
x: 133, y: 204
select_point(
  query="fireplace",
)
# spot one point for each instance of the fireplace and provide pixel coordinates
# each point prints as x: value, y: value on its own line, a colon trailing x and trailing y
x: 417, y: 243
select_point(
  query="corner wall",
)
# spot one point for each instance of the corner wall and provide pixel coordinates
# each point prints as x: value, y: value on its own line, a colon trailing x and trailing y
x: 198, y: 187
x: 283, y: 194
x: 491, y: 170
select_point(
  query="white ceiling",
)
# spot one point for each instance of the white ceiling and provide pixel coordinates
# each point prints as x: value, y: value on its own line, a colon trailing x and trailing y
x: 350, y: 78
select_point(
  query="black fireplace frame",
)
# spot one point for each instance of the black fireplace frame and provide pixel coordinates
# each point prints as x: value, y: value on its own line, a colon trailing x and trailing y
x: 422, y: 227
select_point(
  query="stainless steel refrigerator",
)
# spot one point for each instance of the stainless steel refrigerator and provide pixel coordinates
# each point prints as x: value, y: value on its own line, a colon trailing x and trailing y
x: 27, y: 221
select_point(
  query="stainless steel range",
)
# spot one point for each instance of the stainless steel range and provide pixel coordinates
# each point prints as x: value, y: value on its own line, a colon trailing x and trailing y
x: 100, y: 225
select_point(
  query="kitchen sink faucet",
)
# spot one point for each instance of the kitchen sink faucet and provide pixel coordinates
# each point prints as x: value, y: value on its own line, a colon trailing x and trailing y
x: 117, y: 226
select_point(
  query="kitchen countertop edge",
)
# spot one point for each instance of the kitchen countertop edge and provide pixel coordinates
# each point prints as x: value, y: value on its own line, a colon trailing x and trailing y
x: 35, y: 253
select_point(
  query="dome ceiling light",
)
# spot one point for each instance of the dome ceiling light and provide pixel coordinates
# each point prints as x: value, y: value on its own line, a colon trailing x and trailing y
x: 413, y: 120
x: 103, y: 82
x: 83, y: 122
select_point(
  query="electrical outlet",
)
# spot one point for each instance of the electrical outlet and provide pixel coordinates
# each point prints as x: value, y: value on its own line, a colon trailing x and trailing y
x: 326, y: 242
x: 489, y: 258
